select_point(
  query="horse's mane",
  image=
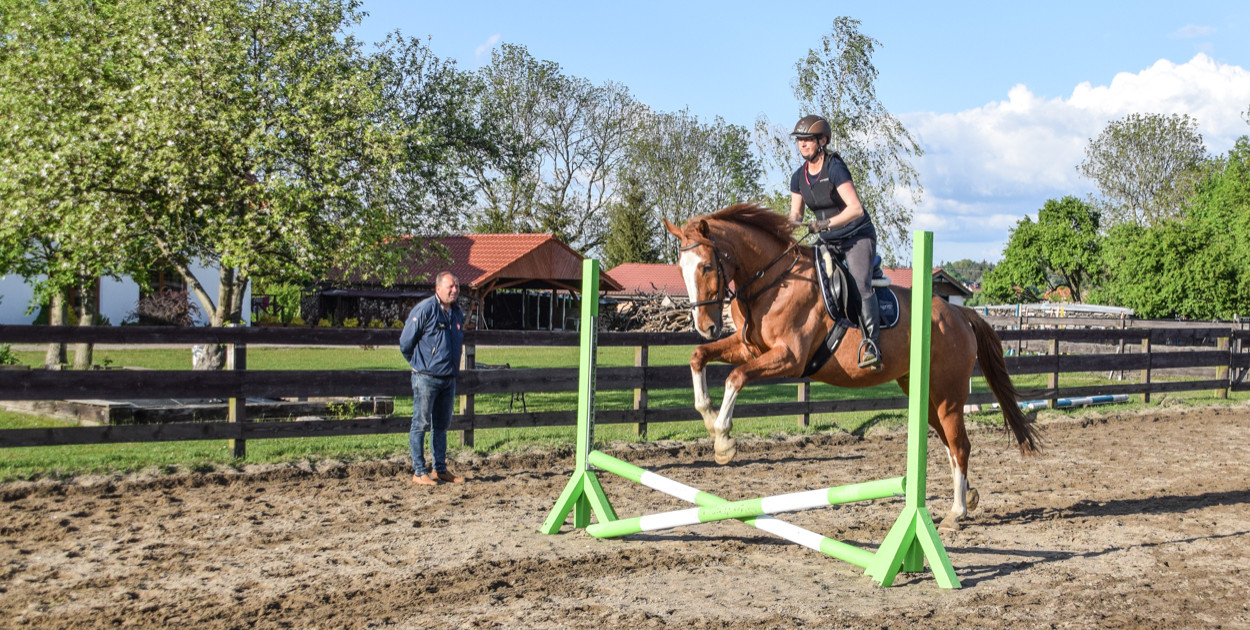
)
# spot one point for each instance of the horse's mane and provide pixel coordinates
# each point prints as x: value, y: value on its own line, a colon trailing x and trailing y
x: 755, y: 215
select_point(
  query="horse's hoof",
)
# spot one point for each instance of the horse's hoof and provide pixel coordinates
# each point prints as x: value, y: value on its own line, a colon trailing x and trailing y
x: 950, y: 523
x: 973, y: 499
x: 725, y: 451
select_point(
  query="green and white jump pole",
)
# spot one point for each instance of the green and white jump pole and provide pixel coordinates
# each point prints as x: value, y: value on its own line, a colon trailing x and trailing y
x: 911, y: 541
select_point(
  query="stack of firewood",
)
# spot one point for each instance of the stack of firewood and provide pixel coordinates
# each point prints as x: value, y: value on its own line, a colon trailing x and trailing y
x: 651, y: 313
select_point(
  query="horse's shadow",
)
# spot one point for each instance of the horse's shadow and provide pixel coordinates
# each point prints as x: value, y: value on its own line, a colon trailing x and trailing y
x: 1172, y: 504
x: 971, y: 575
x: 1120, y: 507
x: 704, y: 464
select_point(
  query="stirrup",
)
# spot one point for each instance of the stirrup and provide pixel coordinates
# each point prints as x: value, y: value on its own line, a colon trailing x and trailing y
x: 872, y: 358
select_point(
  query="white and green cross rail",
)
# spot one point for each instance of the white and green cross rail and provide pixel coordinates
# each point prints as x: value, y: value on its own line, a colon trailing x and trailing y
x: 793, y: 533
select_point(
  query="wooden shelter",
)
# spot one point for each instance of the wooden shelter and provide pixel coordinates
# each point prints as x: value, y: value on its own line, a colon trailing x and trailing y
x: 507, y: 281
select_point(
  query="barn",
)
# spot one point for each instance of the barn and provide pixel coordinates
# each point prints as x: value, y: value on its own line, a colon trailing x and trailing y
x: 507, y: 281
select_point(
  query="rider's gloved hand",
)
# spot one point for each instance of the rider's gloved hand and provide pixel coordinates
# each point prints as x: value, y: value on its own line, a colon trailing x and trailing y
x: 818, y: 226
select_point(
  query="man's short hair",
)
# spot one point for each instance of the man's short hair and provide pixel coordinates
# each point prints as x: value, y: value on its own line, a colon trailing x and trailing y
x: 443, y: 274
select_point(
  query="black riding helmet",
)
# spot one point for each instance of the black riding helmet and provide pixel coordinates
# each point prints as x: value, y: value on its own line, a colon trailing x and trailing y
x: 812, y: 127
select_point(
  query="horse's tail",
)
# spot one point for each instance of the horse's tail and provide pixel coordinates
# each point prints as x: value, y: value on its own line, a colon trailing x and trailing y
x: 990, y: 356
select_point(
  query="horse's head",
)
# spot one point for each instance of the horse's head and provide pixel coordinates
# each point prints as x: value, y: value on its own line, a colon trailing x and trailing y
x: 703, y: 267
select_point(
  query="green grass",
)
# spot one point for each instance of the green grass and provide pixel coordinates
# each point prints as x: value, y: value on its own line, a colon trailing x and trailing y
x: 61, y: 461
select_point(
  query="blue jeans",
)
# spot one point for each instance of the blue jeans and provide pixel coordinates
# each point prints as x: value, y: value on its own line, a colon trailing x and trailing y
x: 432, y: 399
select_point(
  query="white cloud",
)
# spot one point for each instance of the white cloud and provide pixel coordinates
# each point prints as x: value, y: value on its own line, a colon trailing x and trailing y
x: 486, y: 46
x: 985, y: 168
x: 1190, y: 31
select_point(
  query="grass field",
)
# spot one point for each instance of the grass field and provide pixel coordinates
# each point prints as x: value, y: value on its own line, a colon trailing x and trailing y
x: 61, y: 461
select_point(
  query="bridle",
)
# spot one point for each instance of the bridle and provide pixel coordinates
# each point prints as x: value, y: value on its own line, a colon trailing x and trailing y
x: 723, y: 294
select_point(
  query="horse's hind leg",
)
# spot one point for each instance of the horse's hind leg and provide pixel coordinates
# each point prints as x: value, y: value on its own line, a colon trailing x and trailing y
x: 947, y: 420
x: 949, y: 415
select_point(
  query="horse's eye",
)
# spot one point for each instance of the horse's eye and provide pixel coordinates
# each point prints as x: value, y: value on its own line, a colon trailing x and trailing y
x: 707, y: 267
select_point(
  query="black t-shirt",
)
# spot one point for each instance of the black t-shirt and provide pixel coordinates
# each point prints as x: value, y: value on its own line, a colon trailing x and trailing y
x: 820, y: 193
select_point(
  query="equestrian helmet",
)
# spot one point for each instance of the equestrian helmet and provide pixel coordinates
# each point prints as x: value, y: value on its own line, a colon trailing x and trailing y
x: 812, y: 127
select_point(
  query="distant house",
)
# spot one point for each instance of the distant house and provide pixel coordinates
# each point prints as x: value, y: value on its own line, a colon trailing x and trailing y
x: 507, y: 281
x: 945, y: 285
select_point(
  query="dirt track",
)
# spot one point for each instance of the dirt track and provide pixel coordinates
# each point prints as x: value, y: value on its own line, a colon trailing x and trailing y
x: 1125, y: 521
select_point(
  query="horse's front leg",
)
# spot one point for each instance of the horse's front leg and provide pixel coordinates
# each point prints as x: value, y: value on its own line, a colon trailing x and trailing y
x: 727, y: 350
x: 777, y: 362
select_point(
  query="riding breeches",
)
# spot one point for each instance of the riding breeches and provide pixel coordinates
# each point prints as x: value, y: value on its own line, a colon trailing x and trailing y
x: 860, y: 253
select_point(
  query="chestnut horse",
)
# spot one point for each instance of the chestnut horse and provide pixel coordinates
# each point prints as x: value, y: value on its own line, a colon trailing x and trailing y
x: 781, y: 322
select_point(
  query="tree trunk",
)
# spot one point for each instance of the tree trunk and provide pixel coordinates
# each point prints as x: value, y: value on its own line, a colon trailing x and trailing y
x: 86, y: 315
x: 56, y: 355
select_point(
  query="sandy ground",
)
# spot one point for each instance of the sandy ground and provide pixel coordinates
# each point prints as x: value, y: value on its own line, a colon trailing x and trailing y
x: 1135, y: 519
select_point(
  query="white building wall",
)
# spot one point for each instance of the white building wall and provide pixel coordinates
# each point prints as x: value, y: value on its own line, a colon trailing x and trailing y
x: 15, y: 297
x: 117, y: 297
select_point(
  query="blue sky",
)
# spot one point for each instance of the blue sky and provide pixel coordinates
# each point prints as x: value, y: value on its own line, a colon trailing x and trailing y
x: 1003, y: 98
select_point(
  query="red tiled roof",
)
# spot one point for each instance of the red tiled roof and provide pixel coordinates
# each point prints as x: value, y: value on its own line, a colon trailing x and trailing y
x: 642, y: 278
x: 483, y: 261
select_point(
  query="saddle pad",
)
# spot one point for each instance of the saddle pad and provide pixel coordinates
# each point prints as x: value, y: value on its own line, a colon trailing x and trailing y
x: 834, y: 285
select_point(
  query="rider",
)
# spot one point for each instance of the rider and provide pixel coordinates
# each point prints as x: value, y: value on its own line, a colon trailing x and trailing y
x: 824, y: 184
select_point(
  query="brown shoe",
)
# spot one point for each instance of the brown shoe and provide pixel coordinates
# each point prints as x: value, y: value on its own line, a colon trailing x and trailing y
x: 448, y: 477
x: 424, y: 480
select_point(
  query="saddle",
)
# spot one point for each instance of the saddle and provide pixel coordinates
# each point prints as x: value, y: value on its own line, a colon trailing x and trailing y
x: 842, y: 301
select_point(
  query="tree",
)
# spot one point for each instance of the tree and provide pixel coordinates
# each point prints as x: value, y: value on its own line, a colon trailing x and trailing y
x: 685, y: 167
x: 837, y: 80
x: 1061, y: 250
x: 256, y: 138
x: 632, y: 229
x: 64, y: 85
x: 966, y: 270
x: 1196, y: 266
x: 561, y: 141
x: 1144, y: 165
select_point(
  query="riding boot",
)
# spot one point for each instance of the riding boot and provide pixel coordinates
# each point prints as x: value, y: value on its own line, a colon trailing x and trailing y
x: 870, y: 347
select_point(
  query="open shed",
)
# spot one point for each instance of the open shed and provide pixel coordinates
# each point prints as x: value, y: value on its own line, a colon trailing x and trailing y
x: 507, y: 281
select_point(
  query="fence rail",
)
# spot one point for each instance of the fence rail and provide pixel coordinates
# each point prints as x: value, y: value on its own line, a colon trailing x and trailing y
x: 1221, y: 349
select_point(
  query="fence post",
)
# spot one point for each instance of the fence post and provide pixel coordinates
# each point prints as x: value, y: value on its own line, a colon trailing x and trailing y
x: 468, y: 361
x: 1120, y: 346
x: 640, y: 394
x: 1221, y: 372
x: 1020, y: 325
x: 236, y: 359
x: 1053, y: 380
x: 805, y: 396
x: 1145, y: 374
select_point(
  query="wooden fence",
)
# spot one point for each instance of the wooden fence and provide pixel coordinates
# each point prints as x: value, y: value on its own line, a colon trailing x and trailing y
x: 1219, y: 349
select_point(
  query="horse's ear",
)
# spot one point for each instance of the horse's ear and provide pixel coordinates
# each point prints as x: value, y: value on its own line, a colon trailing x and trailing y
x: 672, y: 229
x: 704, y: 231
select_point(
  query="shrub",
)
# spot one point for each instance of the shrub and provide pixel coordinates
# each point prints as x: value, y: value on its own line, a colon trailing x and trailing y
x: 324, y: 323
x: 166, y: 308
x: 298, y: 321
x: 351, y: 322
x: 6, y: 355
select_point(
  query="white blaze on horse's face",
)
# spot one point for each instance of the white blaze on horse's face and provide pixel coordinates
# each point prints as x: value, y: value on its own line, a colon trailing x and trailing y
x: 706, y: 320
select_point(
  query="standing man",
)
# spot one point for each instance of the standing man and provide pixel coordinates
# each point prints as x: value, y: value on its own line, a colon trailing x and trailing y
x: 431, y: 342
